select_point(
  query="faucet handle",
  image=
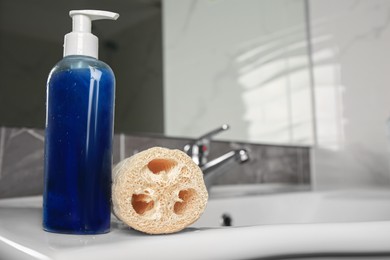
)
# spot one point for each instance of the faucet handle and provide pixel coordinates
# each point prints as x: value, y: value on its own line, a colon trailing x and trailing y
x: 199, y: 149
x: 214, y: 132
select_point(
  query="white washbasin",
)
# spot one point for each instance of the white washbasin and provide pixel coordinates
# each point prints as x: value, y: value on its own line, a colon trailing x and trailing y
x: 289, y: 225
x: 297, y: 207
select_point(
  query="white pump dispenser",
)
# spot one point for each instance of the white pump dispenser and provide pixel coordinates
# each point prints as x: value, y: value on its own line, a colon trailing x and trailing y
x: 81, y: 41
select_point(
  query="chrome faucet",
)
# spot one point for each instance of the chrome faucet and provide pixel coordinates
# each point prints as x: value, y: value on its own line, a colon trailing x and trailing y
x: 199, y: 150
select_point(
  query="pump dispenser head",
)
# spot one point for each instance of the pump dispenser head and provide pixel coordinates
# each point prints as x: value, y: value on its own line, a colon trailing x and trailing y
x: 81, y: 41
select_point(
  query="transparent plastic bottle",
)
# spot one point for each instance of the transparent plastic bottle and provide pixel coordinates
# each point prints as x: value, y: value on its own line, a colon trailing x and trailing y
x: 78, y: 144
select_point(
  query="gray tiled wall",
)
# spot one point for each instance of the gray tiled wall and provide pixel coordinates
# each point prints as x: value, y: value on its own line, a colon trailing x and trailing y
x: 21, y: 160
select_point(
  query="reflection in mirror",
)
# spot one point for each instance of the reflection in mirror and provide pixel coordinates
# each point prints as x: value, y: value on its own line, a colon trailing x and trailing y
x: 244, y: 63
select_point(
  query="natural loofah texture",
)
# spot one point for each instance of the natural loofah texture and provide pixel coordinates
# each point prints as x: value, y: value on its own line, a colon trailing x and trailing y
x: 158, y: 191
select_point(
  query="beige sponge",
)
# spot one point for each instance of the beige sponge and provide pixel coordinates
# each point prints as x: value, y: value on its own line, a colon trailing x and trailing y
x: 158, y: 191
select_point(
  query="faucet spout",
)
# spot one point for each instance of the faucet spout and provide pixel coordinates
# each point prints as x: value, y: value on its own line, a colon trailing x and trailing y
x: 213, y: 169
x: 199, y: 151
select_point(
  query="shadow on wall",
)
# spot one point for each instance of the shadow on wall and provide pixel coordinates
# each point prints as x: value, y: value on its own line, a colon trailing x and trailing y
x: 132, y: 46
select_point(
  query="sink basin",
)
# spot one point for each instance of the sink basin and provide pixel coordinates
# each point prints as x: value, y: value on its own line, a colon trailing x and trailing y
x: 299, y: 225
x: 296, y: 208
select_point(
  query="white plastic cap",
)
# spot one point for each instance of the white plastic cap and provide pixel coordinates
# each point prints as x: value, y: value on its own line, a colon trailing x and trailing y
x: 81, y: 41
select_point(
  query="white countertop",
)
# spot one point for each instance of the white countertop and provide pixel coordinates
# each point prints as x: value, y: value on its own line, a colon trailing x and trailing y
x: 22, y: 237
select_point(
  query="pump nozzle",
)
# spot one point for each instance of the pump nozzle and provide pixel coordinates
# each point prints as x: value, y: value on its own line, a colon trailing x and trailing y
x: 81, y: 41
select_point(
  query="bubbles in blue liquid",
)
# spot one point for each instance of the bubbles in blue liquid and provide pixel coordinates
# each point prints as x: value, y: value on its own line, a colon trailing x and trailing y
x: 78, y: 150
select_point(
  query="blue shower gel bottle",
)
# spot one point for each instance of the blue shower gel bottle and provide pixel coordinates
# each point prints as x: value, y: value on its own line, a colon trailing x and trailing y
x: 79, y: 132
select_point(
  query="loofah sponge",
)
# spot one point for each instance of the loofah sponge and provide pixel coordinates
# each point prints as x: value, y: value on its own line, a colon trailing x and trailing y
x: 158, y: 191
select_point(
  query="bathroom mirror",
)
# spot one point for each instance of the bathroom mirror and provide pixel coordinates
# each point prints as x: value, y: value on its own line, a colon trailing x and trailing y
x: 183, y: 67
x: 244, y: 63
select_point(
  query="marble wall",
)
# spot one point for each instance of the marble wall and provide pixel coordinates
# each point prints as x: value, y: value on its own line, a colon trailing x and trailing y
x: 21, y: 160
x: 351, y: 63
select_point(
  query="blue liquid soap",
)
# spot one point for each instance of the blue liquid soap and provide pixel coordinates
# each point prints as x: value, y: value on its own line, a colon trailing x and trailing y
x: 78, y: 146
